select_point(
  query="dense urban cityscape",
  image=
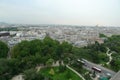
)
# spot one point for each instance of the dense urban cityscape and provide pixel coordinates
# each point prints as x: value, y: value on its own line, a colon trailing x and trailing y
x: 59, y: 39
x: 78, y: 36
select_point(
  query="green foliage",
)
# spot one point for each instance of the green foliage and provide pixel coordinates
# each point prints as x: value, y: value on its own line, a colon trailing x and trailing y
x: 9, y: 29
x: 113, y: 43
x: 94, y: 74
x: 49, y: 62
x: 102, y: 35
x: 66, y: 61
x: 8, y: 68
x: 3, y: 50
x: 29, y: 54
x: 68, y: 75
x: 87, y: 76
x: 77, y: 66
x: 20, y: 50
x: 62, y: 69
x: 115, y: 64
x: 82, y: 52
x: 31, y: 74
x: 41, y: 51
x: 103, y: 57
x: 66, y: 47
x: 59, y: 75
x: 52, y: 72
x: 94, y: 52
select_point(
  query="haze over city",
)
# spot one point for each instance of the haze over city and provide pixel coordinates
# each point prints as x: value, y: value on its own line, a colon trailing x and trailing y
x: 68, y: 12
x: 59, y: 40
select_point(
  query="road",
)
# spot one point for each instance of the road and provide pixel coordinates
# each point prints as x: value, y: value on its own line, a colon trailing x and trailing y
x: 104, y: 71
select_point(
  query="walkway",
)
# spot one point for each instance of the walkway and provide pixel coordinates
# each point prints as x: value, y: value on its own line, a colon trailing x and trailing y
x: 18, y: 77
x: 109, y: 55
x: 75, y: 72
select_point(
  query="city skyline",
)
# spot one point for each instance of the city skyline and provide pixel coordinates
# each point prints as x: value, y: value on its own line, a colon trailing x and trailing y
x: 66, y: 12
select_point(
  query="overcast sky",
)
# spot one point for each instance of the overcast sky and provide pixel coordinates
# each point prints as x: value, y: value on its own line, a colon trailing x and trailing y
x: 71, y: 12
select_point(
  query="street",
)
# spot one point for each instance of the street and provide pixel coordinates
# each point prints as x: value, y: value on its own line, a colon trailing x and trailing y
x: 104, y: 71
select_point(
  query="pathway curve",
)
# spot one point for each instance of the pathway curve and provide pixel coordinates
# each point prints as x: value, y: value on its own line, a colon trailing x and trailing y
x: 75, y: 72
x: 109, y: 55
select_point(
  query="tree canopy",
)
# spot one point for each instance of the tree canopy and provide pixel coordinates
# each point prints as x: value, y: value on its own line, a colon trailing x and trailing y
x: 3, y: 50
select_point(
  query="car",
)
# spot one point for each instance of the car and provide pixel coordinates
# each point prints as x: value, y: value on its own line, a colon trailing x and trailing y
x: 108, y: 74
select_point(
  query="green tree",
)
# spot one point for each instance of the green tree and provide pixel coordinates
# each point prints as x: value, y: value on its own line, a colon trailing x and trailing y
x: 3, y: 50
x: 68, y: 75
x: 66, y: 47
x: 62, y: 68
x: 49, y: 62
x: 21, y: 50
x: 31, y: 74
x: 102, y: 35
x: 8, y: 68
x: 52, y: 72
x: 115, y: 64
x: 103, y: 57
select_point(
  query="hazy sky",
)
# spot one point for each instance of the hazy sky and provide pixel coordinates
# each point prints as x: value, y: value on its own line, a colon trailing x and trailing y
x: 74, y: 12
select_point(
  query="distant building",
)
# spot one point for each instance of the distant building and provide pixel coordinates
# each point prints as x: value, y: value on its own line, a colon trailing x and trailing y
x: 4, y: 34
x: 100, y: 41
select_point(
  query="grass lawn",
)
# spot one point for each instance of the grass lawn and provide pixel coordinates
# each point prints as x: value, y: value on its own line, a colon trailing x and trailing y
x: 57, y: 75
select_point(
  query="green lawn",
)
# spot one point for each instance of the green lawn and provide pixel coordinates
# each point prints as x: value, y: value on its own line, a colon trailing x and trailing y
x: 57, y: 75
